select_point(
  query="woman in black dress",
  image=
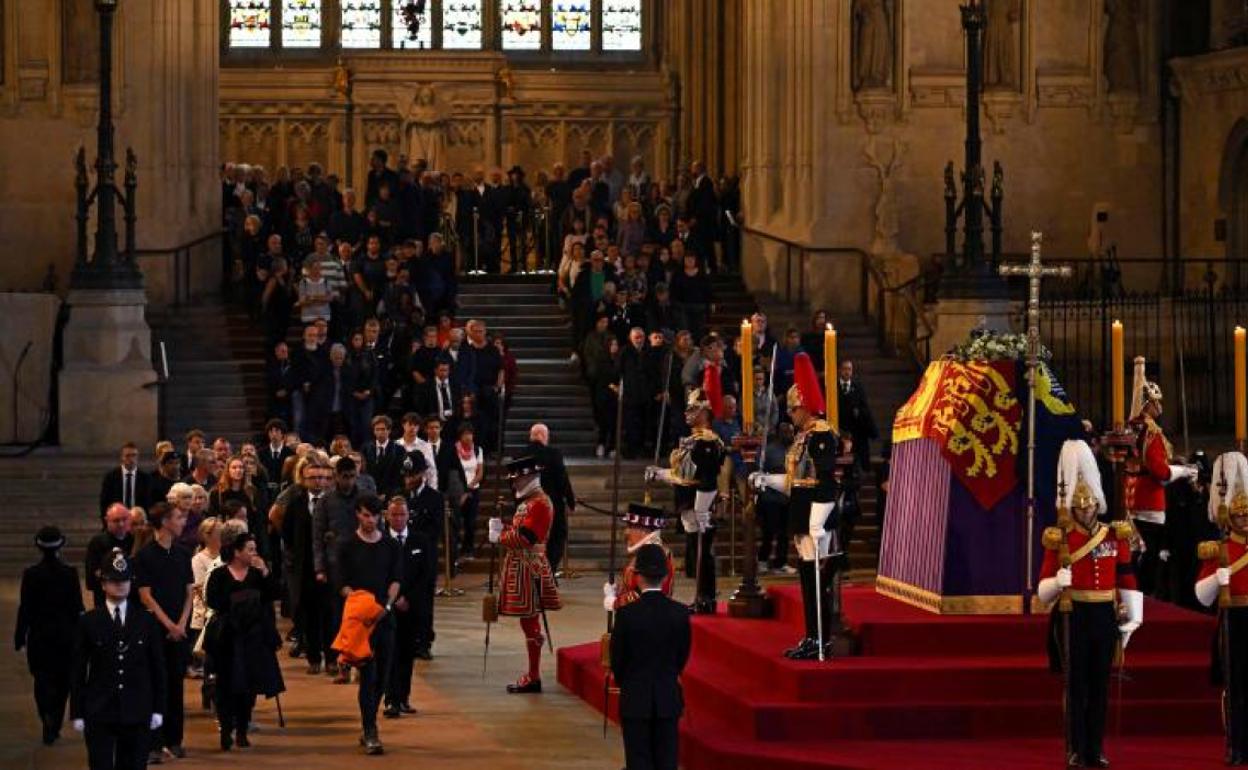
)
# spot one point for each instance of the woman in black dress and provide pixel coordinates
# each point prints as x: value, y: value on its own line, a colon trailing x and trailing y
x: 242, y: 636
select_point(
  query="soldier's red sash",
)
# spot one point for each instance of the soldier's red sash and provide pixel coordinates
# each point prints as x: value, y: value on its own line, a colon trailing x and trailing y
x: 1087, y: 547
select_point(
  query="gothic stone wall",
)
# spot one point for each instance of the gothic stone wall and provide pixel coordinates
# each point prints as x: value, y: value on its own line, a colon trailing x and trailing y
x: 852, y: 108
x: 485, y: 112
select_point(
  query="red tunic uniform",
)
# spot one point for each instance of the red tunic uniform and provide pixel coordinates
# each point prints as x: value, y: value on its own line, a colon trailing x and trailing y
x: 630, y: 582
x: 528, y: 585
x: 1146, y: 494
x: 1236, y: 549
x: 1097, y: 568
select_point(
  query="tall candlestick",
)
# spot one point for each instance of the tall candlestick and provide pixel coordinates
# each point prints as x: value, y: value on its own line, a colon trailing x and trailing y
x: 1116, y: 363
x: 747, y: 376
x: 1241, y: 382
x: 829, y: 376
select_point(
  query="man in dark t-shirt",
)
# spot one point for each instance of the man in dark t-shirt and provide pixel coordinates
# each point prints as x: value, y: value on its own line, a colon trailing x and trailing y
x: 369, y: 561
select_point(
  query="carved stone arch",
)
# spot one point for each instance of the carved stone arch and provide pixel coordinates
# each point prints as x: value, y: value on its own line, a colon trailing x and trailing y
x: 1233, y: 189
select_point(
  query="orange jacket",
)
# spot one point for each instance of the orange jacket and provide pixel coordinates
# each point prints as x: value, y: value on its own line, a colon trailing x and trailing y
x: 360, y: 614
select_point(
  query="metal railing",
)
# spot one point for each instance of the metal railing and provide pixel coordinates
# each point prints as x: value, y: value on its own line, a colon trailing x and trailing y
x: 179, y: 258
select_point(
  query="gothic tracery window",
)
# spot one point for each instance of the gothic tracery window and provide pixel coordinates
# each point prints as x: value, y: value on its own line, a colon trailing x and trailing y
x: 571, y: 25
x: 621, y: 25
x: 411, y: 25
x: 301, y: 23
x: 361, y: 23
x: 250, y: 23
x: 521, y: 24
x: 461, y: 24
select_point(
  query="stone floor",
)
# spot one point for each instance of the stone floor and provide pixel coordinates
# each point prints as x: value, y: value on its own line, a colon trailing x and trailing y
x: 464, y: 720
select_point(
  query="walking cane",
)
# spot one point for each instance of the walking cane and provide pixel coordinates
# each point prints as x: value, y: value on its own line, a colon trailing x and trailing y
x: 281, y: 718
x: 605, y: 651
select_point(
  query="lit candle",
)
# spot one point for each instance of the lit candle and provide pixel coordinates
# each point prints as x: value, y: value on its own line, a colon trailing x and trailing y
x: 1116, y: 363
x: 1241, y: 381
x: 829, y: 376
x: 747, y: 376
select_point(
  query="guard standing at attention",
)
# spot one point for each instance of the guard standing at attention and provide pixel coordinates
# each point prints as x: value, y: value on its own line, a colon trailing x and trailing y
x: 1106, y: 606
x: 117, y: 693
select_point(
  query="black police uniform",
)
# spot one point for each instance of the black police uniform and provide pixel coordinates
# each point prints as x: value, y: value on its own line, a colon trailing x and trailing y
x: 51, y: 602
x: 118, y: 681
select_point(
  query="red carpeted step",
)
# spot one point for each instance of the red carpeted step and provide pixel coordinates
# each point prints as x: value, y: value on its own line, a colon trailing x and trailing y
x: 885, y: 626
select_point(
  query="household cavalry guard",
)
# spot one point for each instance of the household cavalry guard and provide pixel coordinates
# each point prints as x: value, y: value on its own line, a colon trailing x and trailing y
x: 1148, y: 474
x: 1223, y: 580
x: 1089, y: 564
x: 694, y: 475
x: 527, y: 587
x: 644, y: 526
x: 810, y: 482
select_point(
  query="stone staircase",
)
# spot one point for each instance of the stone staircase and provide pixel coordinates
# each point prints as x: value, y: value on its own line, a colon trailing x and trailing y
x: 50, y: 487
x: 216, y: 371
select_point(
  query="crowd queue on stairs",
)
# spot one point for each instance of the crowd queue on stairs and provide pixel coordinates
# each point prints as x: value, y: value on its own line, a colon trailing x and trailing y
x: 384, y: 409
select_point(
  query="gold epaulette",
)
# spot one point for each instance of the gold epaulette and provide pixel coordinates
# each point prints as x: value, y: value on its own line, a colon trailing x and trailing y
x: 1052, y: 538
x: 1210, y: 549
x: 1122, y: 529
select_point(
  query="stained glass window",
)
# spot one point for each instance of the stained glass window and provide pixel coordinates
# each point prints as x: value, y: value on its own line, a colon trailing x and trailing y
x: 411, y: 24
x: 461, y: 24
x: 250, y: 22
x: 301, y: 23
x: 361, y: 23
x: 522, y: 25
x: 569, y: 26
x: 621, y: 25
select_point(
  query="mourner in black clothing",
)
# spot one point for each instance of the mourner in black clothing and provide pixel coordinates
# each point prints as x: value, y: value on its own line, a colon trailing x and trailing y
x: 242, y: 637
x: 117, y: 691
x: 126, y: 484
x: 369, y: 561
x: 411, y: 555
x: 649, y: 649
x: 50, y: 603
x: 856, y: 419
x: 165, y: 583
x: 383, y: 459
x: 557, y: 486
x: 116, y: 534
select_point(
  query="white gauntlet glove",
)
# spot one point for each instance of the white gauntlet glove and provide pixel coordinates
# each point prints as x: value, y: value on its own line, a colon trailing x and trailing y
x: 79, y: 725
x: 1049, y: 588
x: 760, y: 481
x: 496, y: 529
x: 156, y: 721
x: 608, y: 597
x: 1224, y: 576
x: 1134, y: 602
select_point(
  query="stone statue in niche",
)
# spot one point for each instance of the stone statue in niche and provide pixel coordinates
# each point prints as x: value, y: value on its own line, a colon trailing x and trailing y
x: 80, y: 42
x: 425, y: 117
x: 1001, y: 44
x: 872, y: 44
x: 1122, y: 46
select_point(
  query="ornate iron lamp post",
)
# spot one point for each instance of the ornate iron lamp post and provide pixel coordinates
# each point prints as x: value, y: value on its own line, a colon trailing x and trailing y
x: 970, y: 274
x: 108, y: 268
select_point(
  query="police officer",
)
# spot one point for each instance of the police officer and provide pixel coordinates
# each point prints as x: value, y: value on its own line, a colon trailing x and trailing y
x: 50, y: 605
x: 426, y: 517
x: 117, y: 693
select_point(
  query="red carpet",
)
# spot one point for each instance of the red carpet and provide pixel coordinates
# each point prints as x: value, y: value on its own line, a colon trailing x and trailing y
x: 927, y: 691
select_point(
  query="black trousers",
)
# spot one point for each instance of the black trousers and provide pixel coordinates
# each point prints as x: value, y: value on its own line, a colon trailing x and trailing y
x: 557, y: 543
x: 314, y: 619
x: 1238, y: 680
x: 650, y: 744
x: 773, y: 517
x: 706, y: 580
x: 112, y: 746
x: 169, y: 733
x: 1093, y: 639
x: 1148, y: 565
x: 51, y: 694
x: 637, y: 423
x: 234, y: 710
x: 422, y: 606
x: 399, y: 682
x: 375, y: 673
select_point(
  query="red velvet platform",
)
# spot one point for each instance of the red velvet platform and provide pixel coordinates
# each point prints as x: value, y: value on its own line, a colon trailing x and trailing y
x: 930, y: 691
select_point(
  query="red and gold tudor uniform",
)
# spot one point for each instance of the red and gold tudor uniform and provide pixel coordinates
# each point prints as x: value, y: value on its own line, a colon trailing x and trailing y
x: 1100, y: 569
x: 527, y: 581
x: 645, y: 526
x: 1236, y: 615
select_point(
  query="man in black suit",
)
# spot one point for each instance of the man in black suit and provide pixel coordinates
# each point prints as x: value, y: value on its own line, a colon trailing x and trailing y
x: 117, y: 691
x: 412, y: 559
x: 383, y: 459
x: 309, y: 598
x: 273, y: 457
x: 281, y: 381
x: 50, y: 605
x: 116, y: 534
x: 703, y: 207
x: 438, y: 395
x: 126, y: 484
x: 557, y: 486
x: 426, y: 520
x: 649, y: 649
x: 856, y: 418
